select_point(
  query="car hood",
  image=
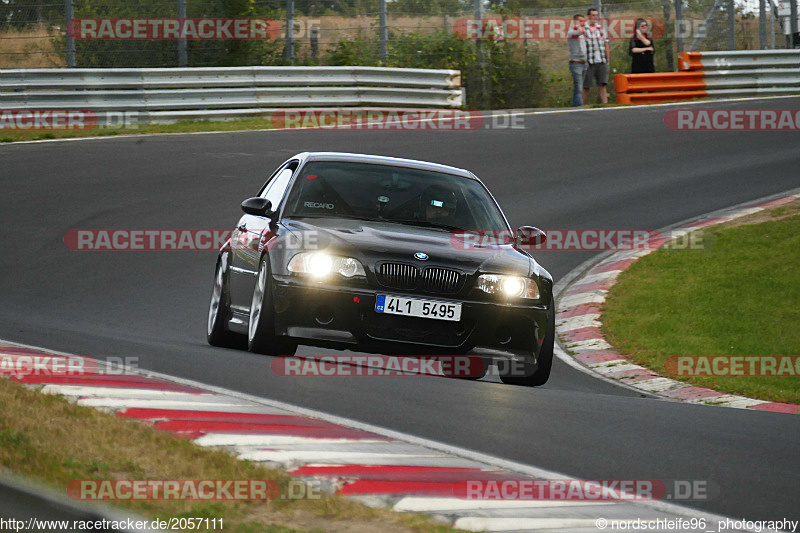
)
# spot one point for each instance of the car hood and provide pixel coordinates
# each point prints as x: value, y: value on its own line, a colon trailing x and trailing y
x: 374, y: 241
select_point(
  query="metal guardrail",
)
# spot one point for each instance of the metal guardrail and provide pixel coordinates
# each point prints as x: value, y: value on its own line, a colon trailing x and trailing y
x: 167, y: 94
x: 739, y: 59
x: 715, y: 74
x: 167, y: 78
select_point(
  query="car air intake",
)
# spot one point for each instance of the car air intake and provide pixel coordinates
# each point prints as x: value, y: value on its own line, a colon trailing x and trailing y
x: 442, y: 280
x: 398, y: 275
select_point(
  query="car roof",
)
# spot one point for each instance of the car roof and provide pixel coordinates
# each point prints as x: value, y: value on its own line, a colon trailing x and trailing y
x: 386, y: 160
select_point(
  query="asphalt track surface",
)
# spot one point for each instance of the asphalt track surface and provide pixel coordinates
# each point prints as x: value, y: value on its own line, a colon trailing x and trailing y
x: 606, y: 169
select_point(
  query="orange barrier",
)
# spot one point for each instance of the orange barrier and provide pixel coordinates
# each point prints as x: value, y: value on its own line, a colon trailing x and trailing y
x: 690, y: 61
x: 659, y: 87
x: 659, y: 81
x: 656, y: 98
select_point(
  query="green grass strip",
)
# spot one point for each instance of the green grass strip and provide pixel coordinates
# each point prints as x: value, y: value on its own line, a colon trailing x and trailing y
x: 738, y: 296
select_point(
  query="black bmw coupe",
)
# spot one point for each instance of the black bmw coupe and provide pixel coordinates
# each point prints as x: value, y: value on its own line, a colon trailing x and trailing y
x: 383, y: 255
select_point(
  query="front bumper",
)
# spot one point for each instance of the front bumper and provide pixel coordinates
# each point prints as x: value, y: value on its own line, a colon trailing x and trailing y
x: 344, y: 317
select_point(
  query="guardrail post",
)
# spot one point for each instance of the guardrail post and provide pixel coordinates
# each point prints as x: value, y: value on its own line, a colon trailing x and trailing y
x: 666, y: 7
x: 183, y: 59
x: 288, y: 51
x: 771, y: 26
x: 481, y: 52
x: 679, y: 24
x: 731, y: 25
x: 383, y: 31
x: 313, y: 37
x: 69, y: 11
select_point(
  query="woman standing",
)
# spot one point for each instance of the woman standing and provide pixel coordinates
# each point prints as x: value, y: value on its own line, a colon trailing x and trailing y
x: 641, y: 49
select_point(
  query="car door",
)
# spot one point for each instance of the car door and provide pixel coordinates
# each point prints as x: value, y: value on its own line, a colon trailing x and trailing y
x: 246, y: 237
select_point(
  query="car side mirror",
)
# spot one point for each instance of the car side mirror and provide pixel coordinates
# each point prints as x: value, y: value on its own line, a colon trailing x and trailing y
x: 529, y: 237
x: 260, y: 207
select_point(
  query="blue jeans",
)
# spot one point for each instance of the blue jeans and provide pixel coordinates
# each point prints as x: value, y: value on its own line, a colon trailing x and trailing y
x: 577, y: 70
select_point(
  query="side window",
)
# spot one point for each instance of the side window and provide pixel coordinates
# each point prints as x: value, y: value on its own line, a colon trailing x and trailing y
x: 272, y: 185
x: 274, y: 192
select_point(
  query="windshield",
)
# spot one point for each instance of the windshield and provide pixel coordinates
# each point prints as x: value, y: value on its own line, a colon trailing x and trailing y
x: 392, y: 194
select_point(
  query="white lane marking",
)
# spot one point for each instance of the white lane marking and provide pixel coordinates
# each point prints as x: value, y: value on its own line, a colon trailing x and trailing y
x: 632, y: 254
x: 124, y: 392
x: 614, y: 363
x: 337, y: 458
x: 742, y: 402
x: 582, y: 298
x: 238, y: 439
x: 598, y: 276
x: 422, y: 504
x: 620, y: 367
x: 446, y: 461
x: 657, y: 384
x: 381, y: 447
x: 188, y: 405
x: 480, y: 523
x: 728, y: 400
x: 589, y: 345
x: 221, y: 409
x: 589, y: 320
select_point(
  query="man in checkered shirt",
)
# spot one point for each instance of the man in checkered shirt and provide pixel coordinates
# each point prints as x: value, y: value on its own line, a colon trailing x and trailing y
x: 598, y: 56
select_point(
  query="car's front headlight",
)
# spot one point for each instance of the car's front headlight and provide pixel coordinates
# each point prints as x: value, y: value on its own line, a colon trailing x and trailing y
x: 321, y: 265
x: 509, y: 286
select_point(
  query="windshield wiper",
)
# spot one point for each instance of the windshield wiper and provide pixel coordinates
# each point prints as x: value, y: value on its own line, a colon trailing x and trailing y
x: 351, y: 217
x: 425, y: 224
x: 420, y: 223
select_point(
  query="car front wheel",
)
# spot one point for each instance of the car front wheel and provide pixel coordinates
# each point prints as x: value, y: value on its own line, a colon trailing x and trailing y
x: 545, y: 360
x: 261, y: 336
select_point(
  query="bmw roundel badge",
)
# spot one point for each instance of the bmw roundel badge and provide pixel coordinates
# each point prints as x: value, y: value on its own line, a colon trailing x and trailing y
x: 421, y: 256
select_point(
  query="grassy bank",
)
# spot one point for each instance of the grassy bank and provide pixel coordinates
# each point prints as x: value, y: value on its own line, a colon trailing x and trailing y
x: 51, y: 440
x: 738, y: 297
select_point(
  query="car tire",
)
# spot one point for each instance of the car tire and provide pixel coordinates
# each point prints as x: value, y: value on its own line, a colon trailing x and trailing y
x: 217, y: 332
x: 261, y: 336
x: 545, y: 359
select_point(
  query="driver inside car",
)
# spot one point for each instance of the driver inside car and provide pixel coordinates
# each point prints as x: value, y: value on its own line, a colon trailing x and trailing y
x: 439, y: 205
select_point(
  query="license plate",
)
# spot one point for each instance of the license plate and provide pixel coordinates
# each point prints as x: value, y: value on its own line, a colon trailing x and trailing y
x: 398, y: 305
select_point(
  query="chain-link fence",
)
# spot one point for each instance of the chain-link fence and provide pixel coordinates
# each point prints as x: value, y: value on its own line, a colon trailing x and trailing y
x: 510, y: 70
x: 33, y: 33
